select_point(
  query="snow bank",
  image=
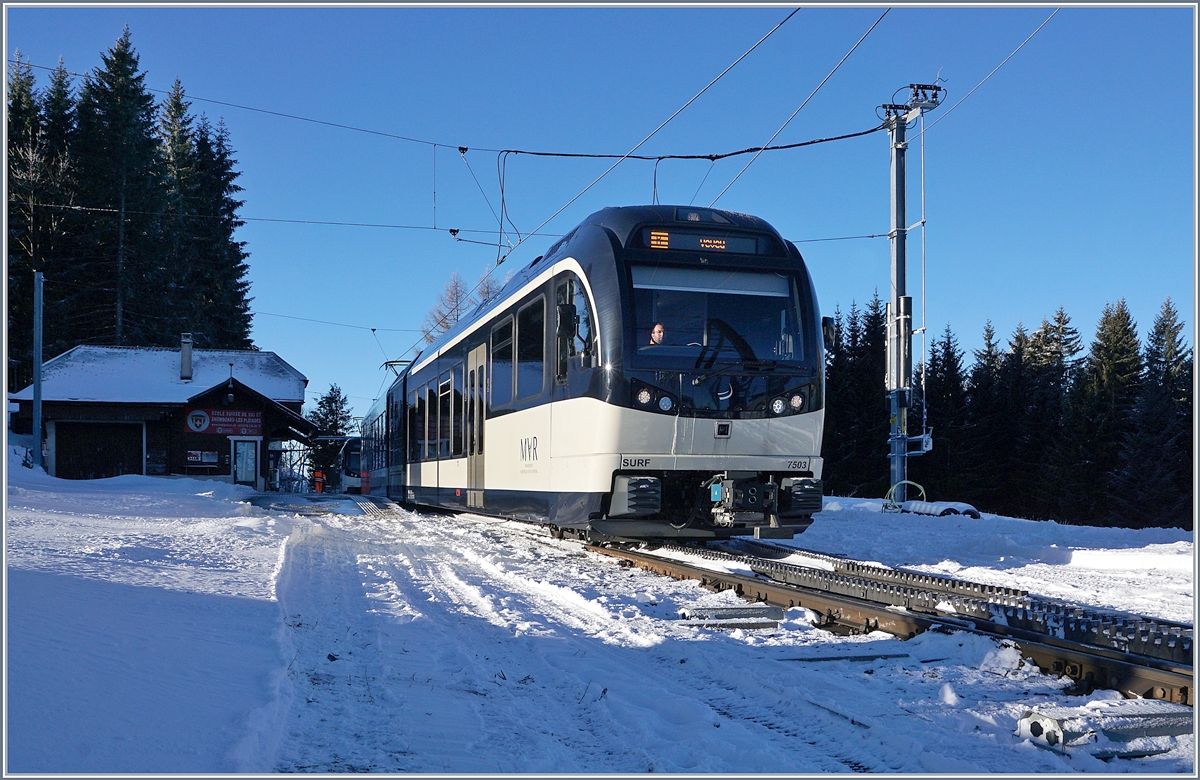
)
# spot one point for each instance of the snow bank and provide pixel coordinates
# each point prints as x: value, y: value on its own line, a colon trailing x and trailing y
x: 144, y: 630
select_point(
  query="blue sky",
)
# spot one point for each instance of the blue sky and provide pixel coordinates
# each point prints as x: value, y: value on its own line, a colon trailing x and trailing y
x: 1065, y: 180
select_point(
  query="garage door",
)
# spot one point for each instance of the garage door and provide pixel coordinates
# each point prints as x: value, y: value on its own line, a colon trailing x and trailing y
x: 95, y: 450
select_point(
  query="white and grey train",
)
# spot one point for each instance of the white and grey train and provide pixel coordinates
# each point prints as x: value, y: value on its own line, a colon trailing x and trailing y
x: 658, y: 373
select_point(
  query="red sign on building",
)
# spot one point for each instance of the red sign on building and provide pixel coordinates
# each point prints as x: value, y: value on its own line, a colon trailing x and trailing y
x: 223, y: 422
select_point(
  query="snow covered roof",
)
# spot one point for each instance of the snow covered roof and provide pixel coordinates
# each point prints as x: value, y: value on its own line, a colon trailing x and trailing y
x: 151, y: 375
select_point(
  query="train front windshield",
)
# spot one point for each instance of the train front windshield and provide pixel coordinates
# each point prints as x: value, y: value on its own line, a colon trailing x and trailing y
x: 690, y: 318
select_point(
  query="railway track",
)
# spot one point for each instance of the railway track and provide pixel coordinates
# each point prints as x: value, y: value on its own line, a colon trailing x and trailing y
x: 1147, y: 658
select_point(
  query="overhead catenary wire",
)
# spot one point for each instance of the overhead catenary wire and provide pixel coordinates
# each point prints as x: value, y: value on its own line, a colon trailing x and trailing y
x: 801, y: 106
x: 662, y: 125
x: 452, y: 231
x: 988, y: 76
x: 623, y: 157
x: 462, y: 152
x: 339, y: 324
x: 461, y: 147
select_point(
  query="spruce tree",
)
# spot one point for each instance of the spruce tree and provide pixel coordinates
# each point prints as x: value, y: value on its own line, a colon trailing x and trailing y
x: 942, y: 394
x: 60, y: 222
x: 1152, y: 483
x: 1101, y: 414
x: 120, y: 171
x: 178, y: 155
x: 982, y: 474
x: 58, y: 115
x: 860, y: 445
x: 1053, y: 351
x: 24, y: 189
x: 333, y: 417
x: 220, y: 288
x: 837, y: 408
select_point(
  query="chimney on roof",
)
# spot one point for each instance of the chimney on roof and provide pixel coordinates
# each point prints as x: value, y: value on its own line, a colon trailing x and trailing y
x: 185, y: 356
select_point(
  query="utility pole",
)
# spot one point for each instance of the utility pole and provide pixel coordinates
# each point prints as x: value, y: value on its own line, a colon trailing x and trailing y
x: 37, y: 369
x: 897, y: 116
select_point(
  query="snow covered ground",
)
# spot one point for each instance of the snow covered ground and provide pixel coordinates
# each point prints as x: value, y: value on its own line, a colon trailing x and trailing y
x: 173, y: 626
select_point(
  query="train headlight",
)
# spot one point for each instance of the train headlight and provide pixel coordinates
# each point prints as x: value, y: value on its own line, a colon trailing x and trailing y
x: 644, y: 396
x: 665, y: 403
x: 797, y: 402
x: 778, y: 406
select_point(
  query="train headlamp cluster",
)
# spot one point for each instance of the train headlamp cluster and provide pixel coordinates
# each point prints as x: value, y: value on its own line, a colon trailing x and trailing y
x: 791, y: 402
x: 655, y: 399
x: 652, y: 398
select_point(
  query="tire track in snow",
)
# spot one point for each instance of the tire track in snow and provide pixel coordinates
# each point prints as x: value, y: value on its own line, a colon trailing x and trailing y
x: 525, y: 702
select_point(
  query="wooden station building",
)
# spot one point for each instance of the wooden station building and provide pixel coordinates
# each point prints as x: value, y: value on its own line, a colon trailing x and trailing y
x: 219, y: 414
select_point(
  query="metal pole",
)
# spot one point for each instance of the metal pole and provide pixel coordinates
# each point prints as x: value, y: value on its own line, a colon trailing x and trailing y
x: 37, y: 369
x: 899, y: 308
x: 899, y: 358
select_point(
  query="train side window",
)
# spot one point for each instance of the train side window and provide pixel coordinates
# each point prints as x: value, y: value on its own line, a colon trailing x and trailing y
x: 456, y: 403
x: 396, y: 421
x: 431, y: 420
x: 470, y: 415
x: 531, y: 349
x: 416, y: 428
x: 502, y: 363
x: 444, y: 415
x: 575, y: 339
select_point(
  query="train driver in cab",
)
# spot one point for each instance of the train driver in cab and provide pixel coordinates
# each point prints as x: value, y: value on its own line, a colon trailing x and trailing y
x: 657, y: 334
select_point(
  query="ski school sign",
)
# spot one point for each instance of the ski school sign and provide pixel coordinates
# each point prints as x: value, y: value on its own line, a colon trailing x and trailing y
x: 223, y: 422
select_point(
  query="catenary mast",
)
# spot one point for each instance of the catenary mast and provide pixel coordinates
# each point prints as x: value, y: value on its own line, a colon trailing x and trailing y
x: 897, y: 116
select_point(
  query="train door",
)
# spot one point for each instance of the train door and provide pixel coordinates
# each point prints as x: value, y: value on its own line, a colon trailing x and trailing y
x: 475, y: 402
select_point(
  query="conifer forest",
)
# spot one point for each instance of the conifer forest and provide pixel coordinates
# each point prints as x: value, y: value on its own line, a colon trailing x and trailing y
x: 1045, y: 426
x: 128, y: 206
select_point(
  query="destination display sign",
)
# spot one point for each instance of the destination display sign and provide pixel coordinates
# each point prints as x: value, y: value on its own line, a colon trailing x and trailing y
x: 698, y: 241
x: 223, y: 422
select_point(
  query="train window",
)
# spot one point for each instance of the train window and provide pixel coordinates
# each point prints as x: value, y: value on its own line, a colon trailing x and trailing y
x: 416, y: 429
x: 444, y: 415
x: 456, y: 401
x: 502, y: 363
x: 470, y: 415
x: 431, y: 420
x: 531, y: 349
x: 711, y: 316
x: 396, y: 423
x: 570, y: 290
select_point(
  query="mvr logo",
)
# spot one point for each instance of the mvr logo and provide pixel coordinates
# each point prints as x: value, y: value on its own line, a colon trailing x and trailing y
x: 529, y: 449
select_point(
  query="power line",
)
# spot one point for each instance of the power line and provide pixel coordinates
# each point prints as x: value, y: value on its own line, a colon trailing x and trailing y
x: 655, y: 130
x: 266, y: 111
x: 802, y: 105
x: 452, y: 231
x: 988, y: 76
x: 837, y: 238
x: 614, y: 165
x: 339, y: 324
x: 464, y: 149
